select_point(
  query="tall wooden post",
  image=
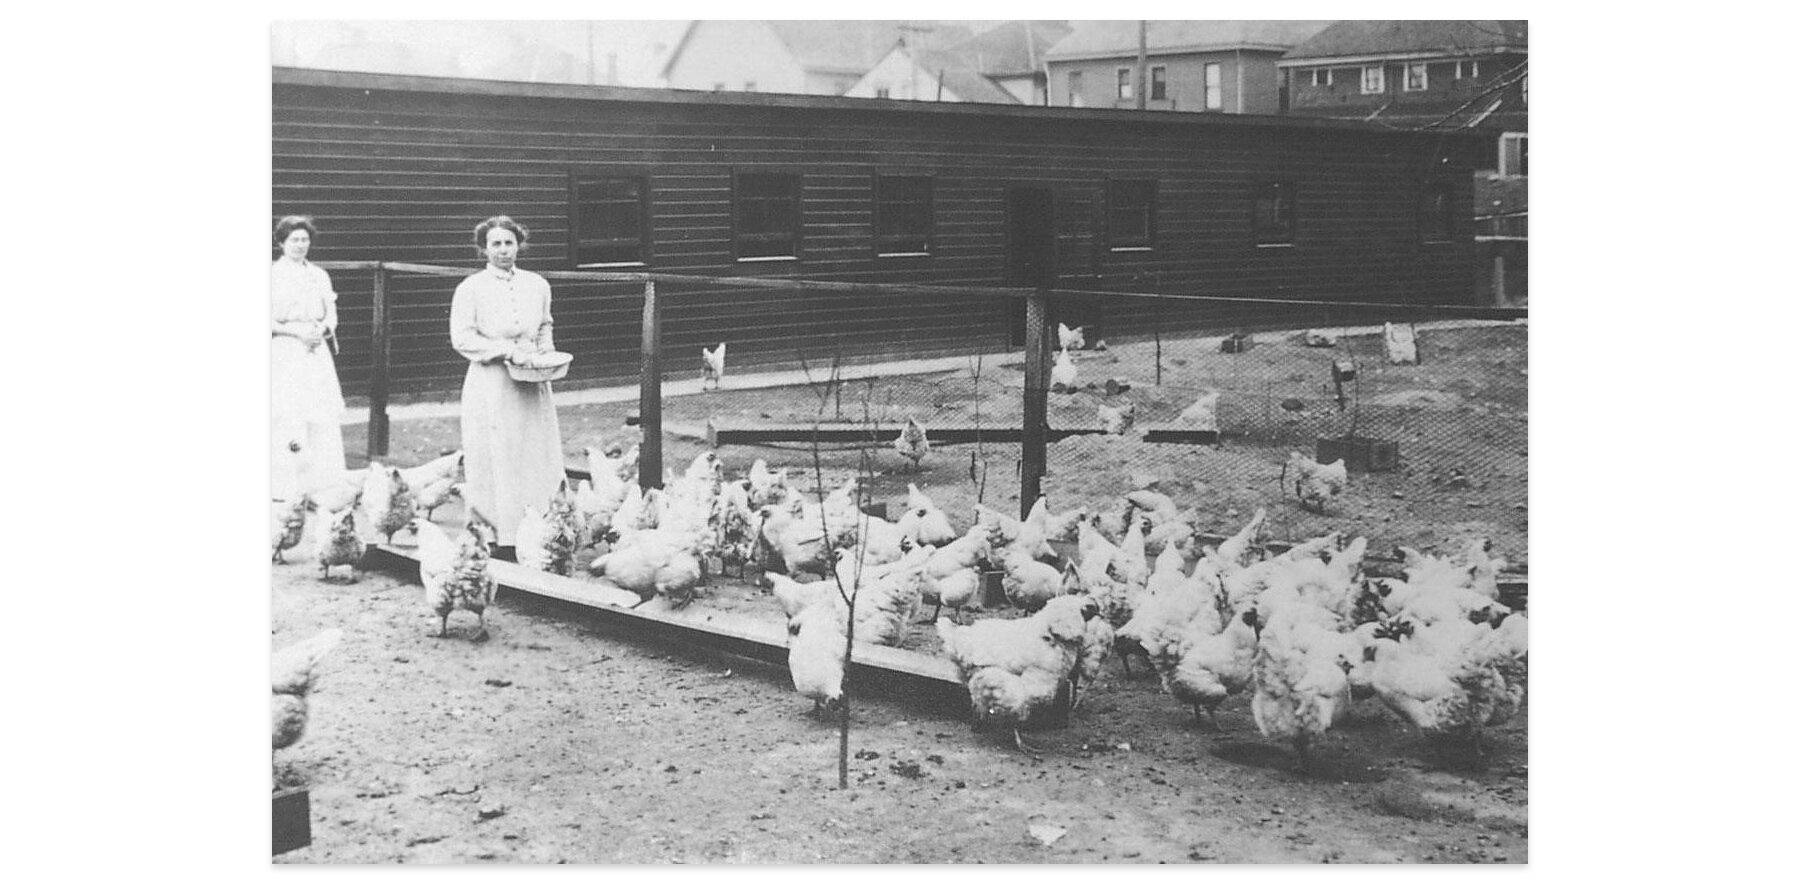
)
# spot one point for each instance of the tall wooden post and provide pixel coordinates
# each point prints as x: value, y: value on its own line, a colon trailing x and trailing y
x: 378, y: 369
x: 1037, y: 390
x: 650, y: 466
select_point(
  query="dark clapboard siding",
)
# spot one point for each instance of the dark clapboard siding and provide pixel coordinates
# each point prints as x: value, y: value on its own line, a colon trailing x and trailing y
x: 401, y: 169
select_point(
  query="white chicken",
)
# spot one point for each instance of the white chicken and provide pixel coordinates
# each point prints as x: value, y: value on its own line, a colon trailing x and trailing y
x: 653, y: 562
x: 924, y: 522
x: 1071, y: 339
x: 712, y: 367
x: 455, y: 572
x: 1453, y: 678
x: 387, y: 500
x: 766, y: 487
x: 1202, y: 414
x: 1063, y: 374
x: 816, y: 655
x: 1315, y: 485
x: 445, y: 467
x: 293, y: 671
x: 288, y: 527
x: 1056, y: 527
x: 1029, y: 583
x: 337, y: 542
x: 1015, y: 668
x: 797, y: 544
x: 913, y: 444
x: 1301, y: 674
x: 1116, y: 420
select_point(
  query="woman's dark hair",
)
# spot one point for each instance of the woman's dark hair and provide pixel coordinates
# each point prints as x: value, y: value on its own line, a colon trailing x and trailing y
x: 291, y: 223
x: 499, y: 221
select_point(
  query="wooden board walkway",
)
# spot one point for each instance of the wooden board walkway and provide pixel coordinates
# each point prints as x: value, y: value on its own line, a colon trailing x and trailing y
x: 898, y: 673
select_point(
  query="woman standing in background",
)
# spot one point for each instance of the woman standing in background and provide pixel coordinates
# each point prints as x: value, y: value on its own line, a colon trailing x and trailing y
x: 306, y: 403
x: 512, y: 447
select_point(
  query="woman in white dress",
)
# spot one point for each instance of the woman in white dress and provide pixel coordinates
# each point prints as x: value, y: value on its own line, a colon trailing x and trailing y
x: 306, y: 403
x: 512, y: 447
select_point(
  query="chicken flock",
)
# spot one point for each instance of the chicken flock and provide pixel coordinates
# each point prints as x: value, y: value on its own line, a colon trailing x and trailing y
x: 1301, y: 632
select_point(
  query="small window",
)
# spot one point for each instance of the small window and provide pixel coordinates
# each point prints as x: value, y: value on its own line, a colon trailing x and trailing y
x: 1513, y: 153
x: 1435, y: 218
x: 610, y: 221
x: 1416, y: 77
x: 1273, y: 219
x: 1125, y: 92
x: 1159, y: 83
x: 1373, y: 80
x: 1075, y: 100
x: 749, y: 85
x: 902, y: 214
x: 881, y: 92
x: 1131, y: 214
x: 719, y: 87
x: 767, y: 215
x: 1321, y: 76
x: 1215, y: 87
x: 1468, y: 69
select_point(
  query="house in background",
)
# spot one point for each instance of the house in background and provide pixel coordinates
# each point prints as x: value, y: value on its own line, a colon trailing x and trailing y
x: 802, y: 57
x: 928, y: 76
x: 1012, y: 55
x: 1217, y: 66
x: 1437, y: 76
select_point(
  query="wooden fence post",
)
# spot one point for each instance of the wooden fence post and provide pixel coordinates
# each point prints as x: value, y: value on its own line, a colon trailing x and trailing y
x: 378, y: 369
x: 1034, y: 434
x: 650, y: 467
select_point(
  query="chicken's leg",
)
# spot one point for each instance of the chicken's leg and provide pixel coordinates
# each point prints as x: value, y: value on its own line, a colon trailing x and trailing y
x: 1019, y: 742
x: 443, y: 625
x: 481, y: 633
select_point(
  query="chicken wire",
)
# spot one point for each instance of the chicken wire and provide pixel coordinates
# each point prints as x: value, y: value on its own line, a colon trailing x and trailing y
x: 952, y: 359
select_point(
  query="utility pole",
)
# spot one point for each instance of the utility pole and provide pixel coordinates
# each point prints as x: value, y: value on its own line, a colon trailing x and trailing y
x: 1143, y: 65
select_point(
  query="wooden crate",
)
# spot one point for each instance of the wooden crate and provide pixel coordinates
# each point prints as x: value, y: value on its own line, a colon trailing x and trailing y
x: 1360, y: 454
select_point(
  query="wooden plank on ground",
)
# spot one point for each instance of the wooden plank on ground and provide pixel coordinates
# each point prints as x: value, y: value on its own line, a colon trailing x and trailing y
x: 1178, y: 434
x: 898, y: 672
x: 724, y: 432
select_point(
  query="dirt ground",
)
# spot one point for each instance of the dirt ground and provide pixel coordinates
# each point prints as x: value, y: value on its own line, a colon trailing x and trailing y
x: 559, y: 740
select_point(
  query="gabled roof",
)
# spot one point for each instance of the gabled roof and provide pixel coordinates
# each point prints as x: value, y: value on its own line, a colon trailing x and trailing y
x: 837, y: 46
x: 1365, y: 39
x: 1111, y: 39
x: 1013, y: 48
x: 959, y: 77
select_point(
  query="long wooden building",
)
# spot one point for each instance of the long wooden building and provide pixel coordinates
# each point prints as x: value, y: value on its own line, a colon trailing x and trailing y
x: 966, y: 196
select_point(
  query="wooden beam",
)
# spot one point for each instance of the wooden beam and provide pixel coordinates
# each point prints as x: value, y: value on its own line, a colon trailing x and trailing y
x: 1178, y: 434
x: 897, y: 672
x: 1034, y: 436
x: 379, y: 358
x: 724, y: 432
x: 650, y: 461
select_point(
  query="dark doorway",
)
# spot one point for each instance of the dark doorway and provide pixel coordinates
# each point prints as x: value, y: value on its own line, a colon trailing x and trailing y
x: 1030, y: 249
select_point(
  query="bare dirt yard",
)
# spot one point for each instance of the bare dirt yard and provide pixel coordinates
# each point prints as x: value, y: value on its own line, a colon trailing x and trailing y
x: 566, y: 739
x: 561, y: 740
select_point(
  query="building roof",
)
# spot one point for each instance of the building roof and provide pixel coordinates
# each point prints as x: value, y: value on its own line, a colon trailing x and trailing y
x: 307, y: 77
x: 1111, y: 39
x: 1364, y: 39
x: 851, y: 47
x: 959, y: 76
x: 1013, y: 48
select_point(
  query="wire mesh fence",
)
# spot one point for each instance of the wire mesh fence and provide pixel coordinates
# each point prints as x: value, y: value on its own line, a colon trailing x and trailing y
x: 1207, y: 398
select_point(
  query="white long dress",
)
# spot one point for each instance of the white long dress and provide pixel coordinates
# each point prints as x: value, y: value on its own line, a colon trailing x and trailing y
x: 306, y: 403
x: 512, y: 446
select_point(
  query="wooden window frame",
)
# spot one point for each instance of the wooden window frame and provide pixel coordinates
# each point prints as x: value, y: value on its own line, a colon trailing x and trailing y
x: 1284, y: 194
x: 1159, y: 83
x: 1126, y: 87
x: 1473, y: 67
x: 578, y: 210
x: 1380, y: 79
x: 1524, y: 154
x: 896, y: 245
x: 1073, y: 84
x: 790, y: 238
x: 1117, y: 188
x: 1435, y: 231
x: 1212, y: 90
x: 1321, y: 76
x: 1406, y: 77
